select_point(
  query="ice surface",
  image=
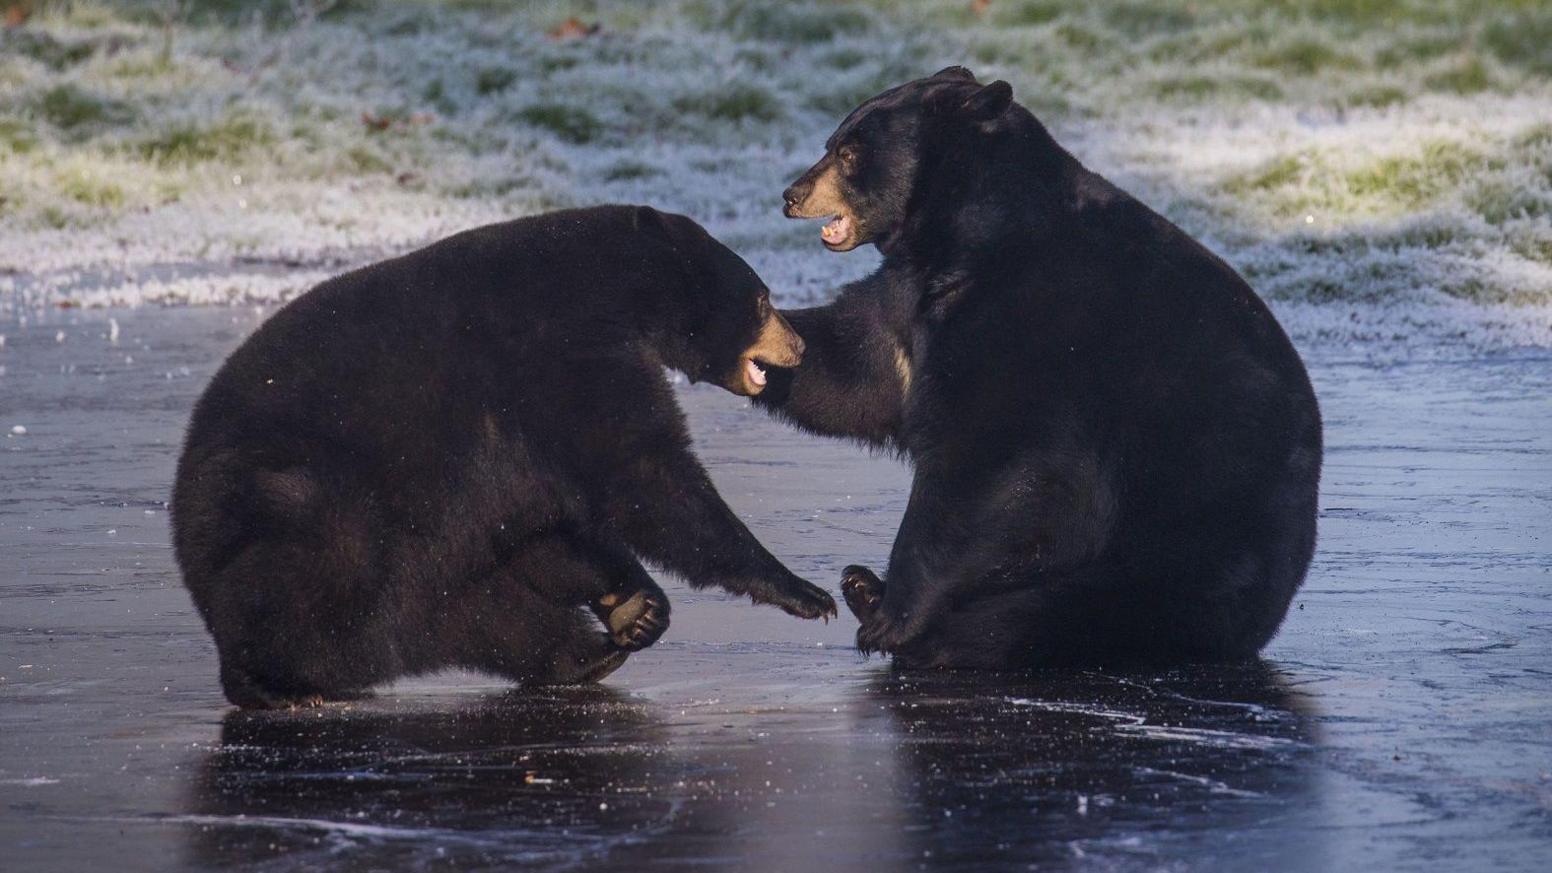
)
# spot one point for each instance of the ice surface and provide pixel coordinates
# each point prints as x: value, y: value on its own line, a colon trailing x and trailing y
x: 1398, y: 722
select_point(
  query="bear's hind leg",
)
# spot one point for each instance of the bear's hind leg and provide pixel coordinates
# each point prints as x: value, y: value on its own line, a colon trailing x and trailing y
x: 582, y: 657
x: 301, y: 669
x: 570, y: 569
x: 634, y: 609
x: 635, y: 620
x: 996, y: 632
x: 293, y: 629
x: 508, y: 630
x: 247, y: 691
x: 1088, y: 616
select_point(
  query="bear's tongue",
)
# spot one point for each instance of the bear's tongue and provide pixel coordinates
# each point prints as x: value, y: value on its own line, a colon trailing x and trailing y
x: 756, y: 375
x: 836, y: 229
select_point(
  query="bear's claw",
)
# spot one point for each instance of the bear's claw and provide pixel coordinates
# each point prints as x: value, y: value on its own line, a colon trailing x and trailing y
x: 804, y: 601
x: 862, y: 590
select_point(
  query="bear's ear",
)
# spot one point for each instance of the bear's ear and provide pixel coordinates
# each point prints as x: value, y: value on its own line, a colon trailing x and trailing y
x: 988, y: 103
x: 675, y: 232
x: 955, y: 72
x: 662, y: 226
x: 648, y: 220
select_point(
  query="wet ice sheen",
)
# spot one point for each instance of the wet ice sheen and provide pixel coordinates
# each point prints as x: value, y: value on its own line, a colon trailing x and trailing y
x: 1398, y: 722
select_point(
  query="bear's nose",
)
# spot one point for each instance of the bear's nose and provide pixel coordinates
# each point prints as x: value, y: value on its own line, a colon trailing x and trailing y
x: 791, y: 198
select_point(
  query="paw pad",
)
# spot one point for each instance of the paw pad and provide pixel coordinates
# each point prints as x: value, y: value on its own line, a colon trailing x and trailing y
x: 639, y: 621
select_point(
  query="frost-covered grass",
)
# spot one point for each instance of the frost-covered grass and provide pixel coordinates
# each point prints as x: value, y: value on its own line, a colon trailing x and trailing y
x: 1379, y: 169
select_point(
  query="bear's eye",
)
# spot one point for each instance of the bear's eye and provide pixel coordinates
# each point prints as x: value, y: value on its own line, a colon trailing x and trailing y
x: 848, y: 156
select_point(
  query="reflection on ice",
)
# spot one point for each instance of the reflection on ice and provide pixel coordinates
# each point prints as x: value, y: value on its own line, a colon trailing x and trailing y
x: 968, y: 769
x: 1063, y: 768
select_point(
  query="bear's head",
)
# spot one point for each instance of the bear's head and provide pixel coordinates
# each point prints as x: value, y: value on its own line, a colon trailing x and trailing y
x: 890, y: 148
x: 721, y: 326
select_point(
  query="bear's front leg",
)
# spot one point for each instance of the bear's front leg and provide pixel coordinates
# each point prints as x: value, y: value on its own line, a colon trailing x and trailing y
x: 883, y: 627
x: 667, y: 510
x: 572, y: 568
x: 882, y: 632
x: 855, y: 369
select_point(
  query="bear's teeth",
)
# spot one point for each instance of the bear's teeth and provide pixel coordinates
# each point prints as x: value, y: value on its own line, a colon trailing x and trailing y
x: 756, y: 375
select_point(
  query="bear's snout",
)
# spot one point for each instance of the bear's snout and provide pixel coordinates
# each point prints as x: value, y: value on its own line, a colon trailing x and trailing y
x: 820, y: 193
x: 795, y: 194
x: 816, y: 183
x: 778, y: 344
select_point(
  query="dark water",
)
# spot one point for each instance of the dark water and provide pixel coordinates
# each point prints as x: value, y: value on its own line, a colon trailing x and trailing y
x: 1403, y: 719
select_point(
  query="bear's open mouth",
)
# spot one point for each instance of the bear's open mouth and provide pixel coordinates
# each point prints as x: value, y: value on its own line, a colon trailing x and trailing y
x: 754, y: 372
x: 837, y: 230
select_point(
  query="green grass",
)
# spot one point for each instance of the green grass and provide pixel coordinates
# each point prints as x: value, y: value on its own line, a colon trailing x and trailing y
x: 571, y: 123
x: 1469, y: 76
x: 187, y: 143
x: 1083, y: 38
x: 790, y: 23
x: 1489, y: 180
x: 1198, y: 88
x: 845, y: 57
x: 493, y: 80
x: 736, y: 102
x: 1029, y: 12
x: 840, y: 94
x: 366, y: 160
x: 1407, y: 50
x: 90, y: 189
x: 1276, y: 174
x: 1392, y: 124
x: 272, y: 13
x: 1305, y: 57
x: 1147, y: 19
x: 1412, y: 181
x: 70, y: 108
x: 17, y: 136
x: 626, y: 170
x: 1292, y: 186
x: 1523, y: 41
x: 55, y: 53
x: 1375, y: 96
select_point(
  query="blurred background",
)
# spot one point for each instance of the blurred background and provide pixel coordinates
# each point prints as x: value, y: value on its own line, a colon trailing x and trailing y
x: 1380, y: 169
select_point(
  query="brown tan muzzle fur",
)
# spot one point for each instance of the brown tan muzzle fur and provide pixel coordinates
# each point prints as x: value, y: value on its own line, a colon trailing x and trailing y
x: 777, y: 345
x: 818, y: 195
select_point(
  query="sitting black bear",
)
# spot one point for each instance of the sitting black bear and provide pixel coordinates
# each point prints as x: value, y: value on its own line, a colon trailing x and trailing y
x: 1116, y: 448
x: 436, y: 460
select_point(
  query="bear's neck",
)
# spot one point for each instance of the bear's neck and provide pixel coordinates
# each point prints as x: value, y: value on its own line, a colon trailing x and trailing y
x: 673, y: 346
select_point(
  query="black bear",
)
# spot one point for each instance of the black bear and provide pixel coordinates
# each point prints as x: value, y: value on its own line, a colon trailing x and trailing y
x: 439, y: 459
x: 1116, y: 448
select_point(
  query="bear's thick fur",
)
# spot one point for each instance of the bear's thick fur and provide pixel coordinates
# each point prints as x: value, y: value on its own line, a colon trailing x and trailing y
x: 439, y: 459
x: 1116, y: 448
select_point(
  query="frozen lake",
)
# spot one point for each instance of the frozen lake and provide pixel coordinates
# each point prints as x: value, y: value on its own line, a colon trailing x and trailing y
x: 1403, y: 719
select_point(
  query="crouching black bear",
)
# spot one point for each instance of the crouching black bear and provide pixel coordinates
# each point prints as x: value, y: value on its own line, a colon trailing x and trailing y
x: 1116, y: 448
x: 440, y: 459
